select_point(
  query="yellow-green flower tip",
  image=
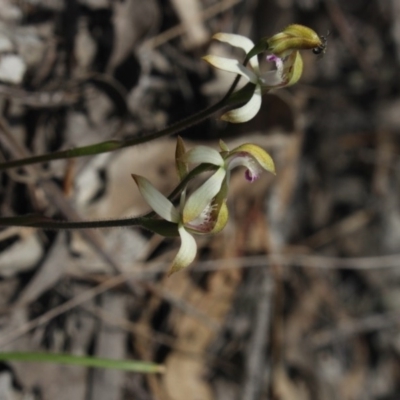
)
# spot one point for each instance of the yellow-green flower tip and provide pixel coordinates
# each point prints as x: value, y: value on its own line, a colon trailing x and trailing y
x: 295, y: 70
x: 181, y: 166
x: 294, y: 37
x: 222, y: 218
x: 207, y: 58
x: 223, y: 146
x: 259, y: 154
x: 304, y: 32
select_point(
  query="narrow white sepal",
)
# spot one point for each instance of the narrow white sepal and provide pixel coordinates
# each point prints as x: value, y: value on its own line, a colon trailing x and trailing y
x: 203, y: 154
x: 231, y: 65
x: 156, y: 200
x: 246, y: 112
x: 201, y: 198
x: 241, y: 42
x: 186, y: 253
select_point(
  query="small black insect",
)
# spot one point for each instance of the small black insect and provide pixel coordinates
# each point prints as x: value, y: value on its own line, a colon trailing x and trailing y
x: 322, y: 47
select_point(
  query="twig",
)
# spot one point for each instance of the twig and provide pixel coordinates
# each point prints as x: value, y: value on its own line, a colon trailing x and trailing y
x: 183, y: 306
x: 293, y: 260
x: 350, y: 224
x: 367, y: 324
x: 177, y: 30
x: 255, y: 363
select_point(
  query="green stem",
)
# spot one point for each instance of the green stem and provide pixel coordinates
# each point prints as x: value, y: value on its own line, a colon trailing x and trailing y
x: 37, y: 221
x: 194, y: 172
x: 227, y: 96
x: 147, y: 221
x: 85, y: 361
x: 111, y: 145
x: 162, y: 227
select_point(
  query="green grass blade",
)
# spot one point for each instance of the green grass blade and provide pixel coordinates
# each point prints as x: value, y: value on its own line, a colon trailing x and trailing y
x: 85, y: 361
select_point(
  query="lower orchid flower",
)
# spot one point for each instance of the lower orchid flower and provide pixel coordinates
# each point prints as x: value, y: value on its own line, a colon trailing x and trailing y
x: 205, y: 210
x: 208, y: 212
x: 284, y: 47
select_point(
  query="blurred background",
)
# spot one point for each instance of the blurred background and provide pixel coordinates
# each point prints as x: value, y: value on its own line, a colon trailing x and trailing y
x: 297, y: 299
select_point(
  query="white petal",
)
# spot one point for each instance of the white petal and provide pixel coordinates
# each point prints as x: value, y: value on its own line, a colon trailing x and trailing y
x: 203, y: 154
x: 156, y: 200
x: 239, y: 41
x: 231, y: 65
x: 201, y: 198
x: 186, y: 253
x: 248, y: 111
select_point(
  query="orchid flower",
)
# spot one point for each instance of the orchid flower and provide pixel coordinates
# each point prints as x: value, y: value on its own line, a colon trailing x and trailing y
x: 211, y: 218
x: 203, y: 212
x: 284, y: 47
x: 205, y: 221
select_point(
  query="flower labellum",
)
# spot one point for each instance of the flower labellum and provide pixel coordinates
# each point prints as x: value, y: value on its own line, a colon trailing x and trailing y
x: 252, y: 157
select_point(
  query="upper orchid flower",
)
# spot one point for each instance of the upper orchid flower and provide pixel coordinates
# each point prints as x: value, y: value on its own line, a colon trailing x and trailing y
x: 284, y: 47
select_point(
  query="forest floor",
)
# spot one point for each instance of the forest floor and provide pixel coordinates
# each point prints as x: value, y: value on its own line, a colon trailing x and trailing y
x: 298, y: 298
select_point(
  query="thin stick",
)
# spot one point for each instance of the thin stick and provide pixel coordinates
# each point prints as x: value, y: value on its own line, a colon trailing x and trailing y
x: 255, y: 362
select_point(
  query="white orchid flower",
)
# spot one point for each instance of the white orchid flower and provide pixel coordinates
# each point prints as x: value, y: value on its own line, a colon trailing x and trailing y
x: 207, y: 214
x: 205, y: 210
x: 287, y: 59
x: 288, y: 71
